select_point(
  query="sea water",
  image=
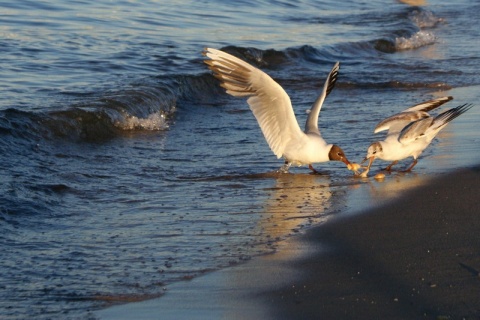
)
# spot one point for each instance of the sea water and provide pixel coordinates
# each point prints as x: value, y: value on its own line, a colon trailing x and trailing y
x: 125, y: 167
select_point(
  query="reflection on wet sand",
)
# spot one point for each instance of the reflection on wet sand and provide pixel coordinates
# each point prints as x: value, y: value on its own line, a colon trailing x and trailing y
x: 377, y: 192
x: 414, y: 2
x: 294, y: 201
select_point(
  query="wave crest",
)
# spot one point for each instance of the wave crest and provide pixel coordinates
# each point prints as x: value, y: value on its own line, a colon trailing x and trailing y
x: 417, y: 40
x: 154, y: 122
x: 424, y: 18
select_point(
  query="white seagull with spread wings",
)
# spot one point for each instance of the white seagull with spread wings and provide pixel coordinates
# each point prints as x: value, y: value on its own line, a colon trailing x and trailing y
x: 410, y: 132
x: 273, y: 110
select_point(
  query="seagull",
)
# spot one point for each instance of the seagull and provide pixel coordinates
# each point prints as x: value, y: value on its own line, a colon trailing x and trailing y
x: 410, y: 132
x: 273, y: 110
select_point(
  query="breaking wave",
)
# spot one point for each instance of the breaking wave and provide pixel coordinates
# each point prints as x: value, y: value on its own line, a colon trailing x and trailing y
x: 150, y: 104
x: 146, y: 107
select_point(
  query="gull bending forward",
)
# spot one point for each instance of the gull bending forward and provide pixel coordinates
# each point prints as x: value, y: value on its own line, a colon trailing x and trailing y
x: 410, y: 132
x: 273, y: 110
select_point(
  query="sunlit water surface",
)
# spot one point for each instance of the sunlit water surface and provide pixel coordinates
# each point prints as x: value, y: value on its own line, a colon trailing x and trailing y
x: 126, y: 168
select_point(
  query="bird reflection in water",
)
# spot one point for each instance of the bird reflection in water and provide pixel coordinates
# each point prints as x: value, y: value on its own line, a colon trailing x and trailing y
x: 296, y: 200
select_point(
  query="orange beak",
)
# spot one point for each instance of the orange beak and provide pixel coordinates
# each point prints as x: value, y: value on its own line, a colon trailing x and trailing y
x: 345, y: 160
x: 370, y: 163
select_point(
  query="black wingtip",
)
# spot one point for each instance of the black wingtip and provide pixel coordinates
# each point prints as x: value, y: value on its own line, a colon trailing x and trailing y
x: 333, y: 78
x: 453, y: 113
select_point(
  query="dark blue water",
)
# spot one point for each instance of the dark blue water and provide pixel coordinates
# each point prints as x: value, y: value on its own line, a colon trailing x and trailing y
x: 125, y: 167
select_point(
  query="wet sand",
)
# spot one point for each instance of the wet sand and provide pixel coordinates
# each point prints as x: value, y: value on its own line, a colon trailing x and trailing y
x: 415, y: 257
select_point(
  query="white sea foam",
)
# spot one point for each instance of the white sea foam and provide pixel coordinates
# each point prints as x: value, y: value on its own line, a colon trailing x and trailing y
x: 417, y: 40
x: 155, y: 121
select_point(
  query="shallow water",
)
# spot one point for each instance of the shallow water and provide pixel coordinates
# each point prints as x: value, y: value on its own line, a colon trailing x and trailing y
x: 125, y: 167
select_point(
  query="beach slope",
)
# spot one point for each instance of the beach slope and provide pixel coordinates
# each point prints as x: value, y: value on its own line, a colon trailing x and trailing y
x: 418, y: 256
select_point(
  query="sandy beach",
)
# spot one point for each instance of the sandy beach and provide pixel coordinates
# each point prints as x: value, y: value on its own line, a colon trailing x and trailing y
x: 415, y: 257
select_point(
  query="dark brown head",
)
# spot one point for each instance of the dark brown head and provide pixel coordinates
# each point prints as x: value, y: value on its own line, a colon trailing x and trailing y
x: 336, y: 154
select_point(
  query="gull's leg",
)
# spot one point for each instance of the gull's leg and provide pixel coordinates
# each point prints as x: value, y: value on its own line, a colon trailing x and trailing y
x: 389, y: 168
x: 313, y: 169
x: 285, y: 167
x: 411, y: 166
x: 367, y: 168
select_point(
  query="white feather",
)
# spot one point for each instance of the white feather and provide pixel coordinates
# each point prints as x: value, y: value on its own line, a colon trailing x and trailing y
x: 272, y: 108
x: 411, y: 131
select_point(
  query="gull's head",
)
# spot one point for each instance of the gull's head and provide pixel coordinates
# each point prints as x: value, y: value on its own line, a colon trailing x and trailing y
x: 336, y: 154
x: 374, y: 150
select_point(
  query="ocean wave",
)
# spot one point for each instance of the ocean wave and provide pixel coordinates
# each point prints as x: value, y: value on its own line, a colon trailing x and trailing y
x: 417, y: 40
x: 412, y: 29
x: 419, y: 37
x: 145, y: 106
x: 275, y: 59
x: 269, y: 58
x: 300, y: 58
x: 423, y: 18
x: 154, y: 122
x: 100, y: 120
x: 77, y: 123
x: 150, y: 103
x: 395, y: 84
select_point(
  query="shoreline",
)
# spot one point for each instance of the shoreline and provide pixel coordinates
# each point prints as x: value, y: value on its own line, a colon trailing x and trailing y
x: 415, y: 256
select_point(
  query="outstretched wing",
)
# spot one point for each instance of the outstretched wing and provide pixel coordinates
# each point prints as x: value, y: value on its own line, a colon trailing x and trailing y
x: 429, y: 105
x: 311, y: 125
x: 397, y: 122
x: 430, y: 126
x: 268, y: 101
